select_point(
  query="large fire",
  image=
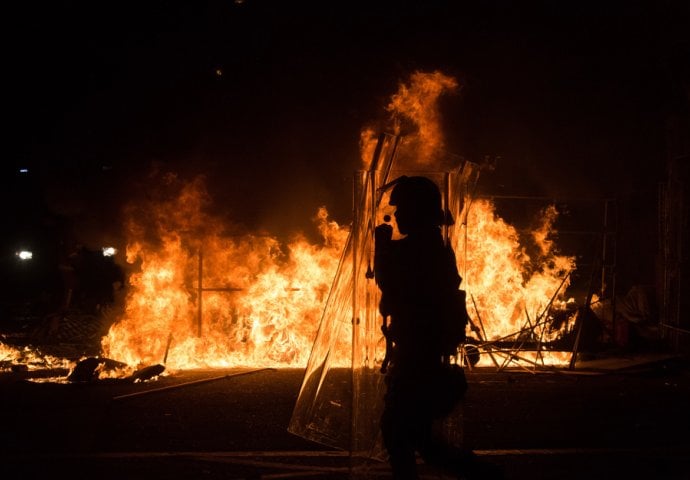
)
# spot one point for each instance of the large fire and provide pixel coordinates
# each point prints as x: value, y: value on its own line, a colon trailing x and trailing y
x: 219, y: 301
x: 198, y: 296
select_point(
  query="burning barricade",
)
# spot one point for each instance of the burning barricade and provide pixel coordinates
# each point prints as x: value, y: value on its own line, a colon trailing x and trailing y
x: 200, y: 294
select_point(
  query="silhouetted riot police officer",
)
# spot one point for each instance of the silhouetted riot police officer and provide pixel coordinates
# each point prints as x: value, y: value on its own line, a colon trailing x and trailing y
x: 419, y: 283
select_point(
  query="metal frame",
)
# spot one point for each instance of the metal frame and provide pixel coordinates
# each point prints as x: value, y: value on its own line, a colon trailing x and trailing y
x: 603, y: 270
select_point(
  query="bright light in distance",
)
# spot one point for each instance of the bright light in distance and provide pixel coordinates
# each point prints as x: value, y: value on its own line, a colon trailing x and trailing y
x: 109, y: 251
x: 23, y: 170
x: 25, y: 255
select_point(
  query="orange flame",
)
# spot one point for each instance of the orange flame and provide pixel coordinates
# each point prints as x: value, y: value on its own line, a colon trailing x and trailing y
x: 261, y: 303
x: 204, y: 299
x: 414, y: 113
x: 200, y: 297
x: 507, y: 294
x: 31, y: 359
x: 418, y: 103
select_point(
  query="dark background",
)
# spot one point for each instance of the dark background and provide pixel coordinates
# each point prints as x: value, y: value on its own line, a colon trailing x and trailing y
x: 267, y: 99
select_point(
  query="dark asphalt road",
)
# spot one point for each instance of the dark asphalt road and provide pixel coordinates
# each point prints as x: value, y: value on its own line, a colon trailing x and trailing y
x: 625, y: 424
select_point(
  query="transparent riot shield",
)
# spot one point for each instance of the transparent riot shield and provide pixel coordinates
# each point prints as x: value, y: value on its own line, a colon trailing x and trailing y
x: 341, y: 397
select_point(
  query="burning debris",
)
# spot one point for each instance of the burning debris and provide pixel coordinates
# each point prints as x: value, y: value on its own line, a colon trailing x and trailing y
x: 28, y: 363
x: 199, y: 295
x: 202, y: 298
x: 88, y: 369
x: 20, y: 363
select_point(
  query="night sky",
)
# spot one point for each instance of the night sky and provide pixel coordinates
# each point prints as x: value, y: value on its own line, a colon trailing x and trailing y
x: 267, y: 99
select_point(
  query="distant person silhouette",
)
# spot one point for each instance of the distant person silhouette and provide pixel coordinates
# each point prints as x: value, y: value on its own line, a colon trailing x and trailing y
x: 419, y: 283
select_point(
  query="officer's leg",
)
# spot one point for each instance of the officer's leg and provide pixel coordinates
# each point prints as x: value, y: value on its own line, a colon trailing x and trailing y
x: 398, y: 440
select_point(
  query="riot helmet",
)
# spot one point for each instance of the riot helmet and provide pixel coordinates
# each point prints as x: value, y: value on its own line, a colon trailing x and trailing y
x: 419, y: 200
